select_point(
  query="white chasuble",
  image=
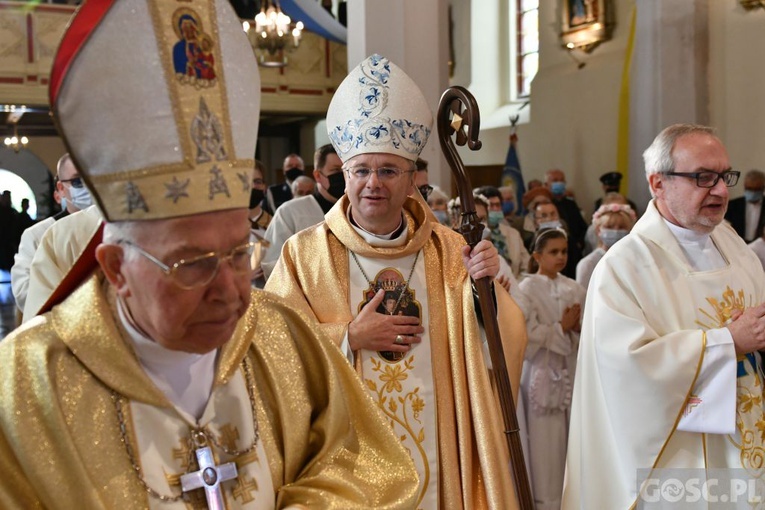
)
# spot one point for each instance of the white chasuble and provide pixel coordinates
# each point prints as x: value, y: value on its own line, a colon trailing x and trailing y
x: 402, y: 387
x: 642, y: 348
x: 162, y: 438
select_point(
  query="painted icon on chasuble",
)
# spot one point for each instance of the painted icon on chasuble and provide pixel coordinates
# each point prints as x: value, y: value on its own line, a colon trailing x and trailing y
x: 399, y: 300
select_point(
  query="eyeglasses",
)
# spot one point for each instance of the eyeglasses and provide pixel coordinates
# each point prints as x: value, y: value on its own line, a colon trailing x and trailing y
x: 425, y: 190
x: 76, y: 182
x: 709, y: 178
x: 383, y: 174
x: 201, y: 270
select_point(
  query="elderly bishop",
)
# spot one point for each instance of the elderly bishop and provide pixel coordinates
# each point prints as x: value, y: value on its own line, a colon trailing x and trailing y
x: 163, y: 381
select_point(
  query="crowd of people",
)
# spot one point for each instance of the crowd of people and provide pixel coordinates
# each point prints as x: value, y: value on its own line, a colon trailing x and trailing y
x: 197, y: 337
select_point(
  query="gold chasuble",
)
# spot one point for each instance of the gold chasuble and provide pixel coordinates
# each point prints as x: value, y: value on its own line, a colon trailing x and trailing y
x: 80, y: 398
x: 439, y: 388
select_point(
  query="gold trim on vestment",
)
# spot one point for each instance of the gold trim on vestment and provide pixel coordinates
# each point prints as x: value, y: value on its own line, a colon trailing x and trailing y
x: 679, y: 414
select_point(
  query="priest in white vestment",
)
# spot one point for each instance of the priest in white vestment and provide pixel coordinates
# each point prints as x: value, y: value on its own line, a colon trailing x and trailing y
x: 164, y: 381
x: 60, y: 247
x: 392, y: 287
x: 66, y: 174
x: 668, y: 374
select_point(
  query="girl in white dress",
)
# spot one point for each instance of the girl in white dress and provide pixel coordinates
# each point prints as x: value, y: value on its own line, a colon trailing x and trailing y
x: 555, y: 305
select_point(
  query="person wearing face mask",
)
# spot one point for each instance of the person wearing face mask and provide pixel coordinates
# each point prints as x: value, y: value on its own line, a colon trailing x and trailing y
x: 61, y: 244
x: 508, y: 202
x: 438, y: 202
x: 505, y: 238
x: 259, y: 217
x: 277, y: 194
x: 745, y: 213
x: 571, y: 214
x: 526, y: 224
x: 304, y: 212
x: 612, y: 222
x: 31, y: 237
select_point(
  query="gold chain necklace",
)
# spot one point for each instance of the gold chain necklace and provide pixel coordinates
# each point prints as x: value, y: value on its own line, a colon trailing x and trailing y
x: 193, y: 439
x: 406, y: 282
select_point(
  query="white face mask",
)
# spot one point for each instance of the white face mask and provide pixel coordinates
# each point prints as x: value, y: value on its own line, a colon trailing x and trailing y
x: 81, y: 198
x: 550, y: 224
x: 609, y: 236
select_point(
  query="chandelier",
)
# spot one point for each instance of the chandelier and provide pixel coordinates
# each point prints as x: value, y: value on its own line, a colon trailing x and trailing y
x: 14, y: 142
x: 271, y: 33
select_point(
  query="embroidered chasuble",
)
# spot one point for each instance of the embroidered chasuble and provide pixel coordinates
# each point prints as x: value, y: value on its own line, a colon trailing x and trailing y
x: 73, y: 395
x: 437, y: 397
x: 642, y: 349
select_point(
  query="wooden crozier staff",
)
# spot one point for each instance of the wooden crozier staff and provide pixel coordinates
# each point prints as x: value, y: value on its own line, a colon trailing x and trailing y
x: 458, y: 110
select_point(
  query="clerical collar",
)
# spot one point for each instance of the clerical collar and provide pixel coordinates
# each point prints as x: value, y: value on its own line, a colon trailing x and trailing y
x: 325, y: 204
x: 699, y: 249
x: 395, y: 238
x: 185, y: 378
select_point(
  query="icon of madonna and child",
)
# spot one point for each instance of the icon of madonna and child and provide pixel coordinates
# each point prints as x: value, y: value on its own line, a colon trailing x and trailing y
x: 193, y: 58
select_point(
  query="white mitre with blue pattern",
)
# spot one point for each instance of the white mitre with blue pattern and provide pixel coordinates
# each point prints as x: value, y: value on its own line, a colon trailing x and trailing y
x: 378, y: 108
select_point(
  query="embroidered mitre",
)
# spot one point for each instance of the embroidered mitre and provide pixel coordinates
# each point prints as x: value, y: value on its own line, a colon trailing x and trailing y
x: 365, y: 117
x: 158, y: 103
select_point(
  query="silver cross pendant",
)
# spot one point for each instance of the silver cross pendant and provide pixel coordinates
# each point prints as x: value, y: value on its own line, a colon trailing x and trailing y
x: 210, y: 477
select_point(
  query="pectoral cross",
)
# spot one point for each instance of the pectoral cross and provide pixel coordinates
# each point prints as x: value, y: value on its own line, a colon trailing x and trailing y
x: 209, y: 476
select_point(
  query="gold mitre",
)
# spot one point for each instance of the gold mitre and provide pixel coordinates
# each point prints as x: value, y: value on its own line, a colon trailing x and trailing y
x: 378, y: 108
x: 158, y: 102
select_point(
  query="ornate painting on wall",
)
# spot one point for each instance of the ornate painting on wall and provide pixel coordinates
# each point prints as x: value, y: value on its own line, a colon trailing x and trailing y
x: 585, y: 23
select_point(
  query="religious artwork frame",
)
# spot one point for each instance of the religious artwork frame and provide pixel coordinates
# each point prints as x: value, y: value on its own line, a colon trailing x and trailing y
x: 750, y: 5
x: 585, y: 23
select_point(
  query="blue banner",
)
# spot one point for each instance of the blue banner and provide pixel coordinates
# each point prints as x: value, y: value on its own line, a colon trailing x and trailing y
x: 315, y: 18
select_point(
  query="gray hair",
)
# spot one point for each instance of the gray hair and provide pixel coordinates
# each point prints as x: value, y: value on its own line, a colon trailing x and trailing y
x: 658, y: 157
x: 437, y: 194
x: 120, y: 231
x: 301, y: 180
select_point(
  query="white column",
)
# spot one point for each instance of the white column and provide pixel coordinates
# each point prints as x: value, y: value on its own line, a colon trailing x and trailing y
x: 414, y: 36
x: 669, y: 76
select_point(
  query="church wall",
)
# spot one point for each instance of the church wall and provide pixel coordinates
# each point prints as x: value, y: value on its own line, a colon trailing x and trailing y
x: 48, y: 148
x: 573, y: 112
x: 737, y: 77
x: 573, y: 123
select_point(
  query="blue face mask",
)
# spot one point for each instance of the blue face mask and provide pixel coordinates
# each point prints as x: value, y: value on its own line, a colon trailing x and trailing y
x: 508, y: 208
x: 81, y: 198
x: 609, y: 236
x: 63, y: 203
x: 442, y: 217
x: 494, y: 218
x: 752, y: 195
x: 558, y: 188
